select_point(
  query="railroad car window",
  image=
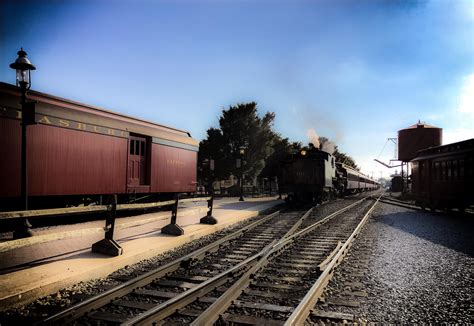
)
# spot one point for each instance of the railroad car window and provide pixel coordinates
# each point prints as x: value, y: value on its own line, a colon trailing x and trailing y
x: 437, y: 171
x: 455, y: 169
x: 468, y: 166
x: 443, y: 171
x: 143, y: 148
x: 132, y: 146
x: 137, y: 147
x: 450, y: 170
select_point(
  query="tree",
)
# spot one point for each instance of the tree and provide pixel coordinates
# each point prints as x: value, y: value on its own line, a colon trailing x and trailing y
x: 282, y: 147
x: 346, y: 159
x: 239, y: 127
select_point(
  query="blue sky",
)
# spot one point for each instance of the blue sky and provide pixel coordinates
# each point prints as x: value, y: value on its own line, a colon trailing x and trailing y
x: 354, y: 71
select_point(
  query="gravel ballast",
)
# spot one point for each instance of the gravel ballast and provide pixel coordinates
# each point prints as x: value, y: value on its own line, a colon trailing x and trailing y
x: 416, y: 268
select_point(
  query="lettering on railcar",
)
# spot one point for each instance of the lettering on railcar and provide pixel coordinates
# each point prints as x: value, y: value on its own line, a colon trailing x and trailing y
x: 174, y: 162
x: 64, y: 123
x: 44, y: 120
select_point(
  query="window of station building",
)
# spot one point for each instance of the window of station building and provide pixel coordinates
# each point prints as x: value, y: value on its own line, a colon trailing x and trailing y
x: 461, y: 169
x: 450, y: 170
x: 132, y: 146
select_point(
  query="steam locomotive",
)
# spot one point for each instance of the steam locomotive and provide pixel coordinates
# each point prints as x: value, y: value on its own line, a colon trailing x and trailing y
x: 314, y: 176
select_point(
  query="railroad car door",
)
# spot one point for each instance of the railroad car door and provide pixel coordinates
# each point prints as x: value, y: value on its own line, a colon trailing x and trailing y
x: 137, y: 161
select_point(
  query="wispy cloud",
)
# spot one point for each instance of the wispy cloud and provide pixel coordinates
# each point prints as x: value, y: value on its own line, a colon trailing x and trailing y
x: 466, y: 99
x: 463, y: 126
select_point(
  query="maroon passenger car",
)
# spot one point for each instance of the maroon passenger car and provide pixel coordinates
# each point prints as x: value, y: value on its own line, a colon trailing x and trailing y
x: 76, y: 150
x: 443, y: 176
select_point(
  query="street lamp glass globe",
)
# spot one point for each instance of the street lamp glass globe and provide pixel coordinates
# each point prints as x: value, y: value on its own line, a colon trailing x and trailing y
x: 22, y: 76
x: 23, y: 66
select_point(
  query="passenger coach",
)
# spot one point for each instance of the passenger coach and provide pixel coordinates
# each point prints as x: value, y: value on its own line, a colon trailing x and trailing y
x: 443, y: 176
x: 76, y: 151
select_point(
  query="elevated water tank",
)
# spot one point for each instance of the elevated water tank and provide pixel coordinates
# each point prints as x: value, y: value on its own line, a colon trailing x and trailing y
x: 415, y: 138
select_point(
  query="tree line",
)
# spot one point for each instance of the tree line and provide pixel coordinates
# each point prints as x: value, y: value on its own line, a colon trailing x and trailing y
x: 245, y: 143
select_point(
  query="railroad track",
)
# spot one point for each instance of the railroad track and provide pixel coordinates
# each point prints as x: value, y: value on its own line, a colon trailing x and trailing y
x: 286, y: 283
x: 281, y: 251
x: 183, y: 275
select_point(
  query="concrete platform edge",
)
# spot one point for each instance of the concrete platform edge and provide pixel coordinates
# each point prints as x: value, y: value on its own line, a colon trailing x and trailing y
x: 28, y: 295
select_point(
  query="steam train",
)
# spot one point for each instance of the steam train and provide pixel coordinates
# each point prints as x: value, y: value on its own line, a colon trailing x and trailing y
x: 314, y: 176
x: 77, y: 151
x: 442, y: 176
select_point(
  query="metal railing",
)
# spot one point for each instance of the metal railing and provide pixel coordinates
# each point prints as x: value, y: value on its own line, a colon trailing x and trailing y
x: 108, y: 245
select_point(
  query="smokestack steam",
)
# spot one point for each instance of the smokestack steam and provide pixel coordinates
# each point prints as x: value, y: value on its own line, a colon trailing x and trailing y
x: 313, y: 137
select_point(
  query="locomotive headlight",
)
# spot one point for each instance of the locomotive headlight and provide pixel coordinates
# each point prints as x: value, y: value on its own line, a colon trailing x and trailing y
x: 303, y: 152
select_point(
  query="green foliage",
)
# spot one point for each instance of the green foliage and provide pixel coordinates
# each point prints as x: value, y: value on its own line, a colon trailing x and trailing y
x: 346, y: 159
x: 282, y: 147
x: 239, y: 127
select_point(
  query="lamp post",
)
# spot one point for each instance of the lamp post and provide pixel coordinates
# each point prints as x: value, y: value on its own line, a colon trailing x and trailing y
x: 23, y: 69
x: 242, y: 152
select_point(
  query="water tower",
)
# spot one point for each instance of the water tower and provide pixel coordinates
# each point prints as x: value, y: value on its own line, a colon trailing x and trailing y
x: 415, y: 138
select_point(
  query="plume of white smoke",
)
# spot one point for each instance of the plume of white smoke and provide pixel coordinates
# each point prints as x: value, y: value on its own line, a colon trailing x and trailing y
x: 329, y: 147
x: 313, y: 137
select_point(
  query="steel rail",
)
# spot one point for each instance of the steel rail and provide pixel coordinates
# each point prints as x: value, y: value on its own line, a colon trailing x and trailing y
x: 167, y: 308
x: 318, y: 223
x: 302, y: 311
x: 211, y: 314
x: 78, y: 310
x: 399, y: 203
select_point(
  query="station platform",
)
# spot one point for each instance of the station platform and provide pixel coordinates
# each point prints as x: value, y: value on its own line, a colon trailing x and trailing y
x: 60, y: 256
